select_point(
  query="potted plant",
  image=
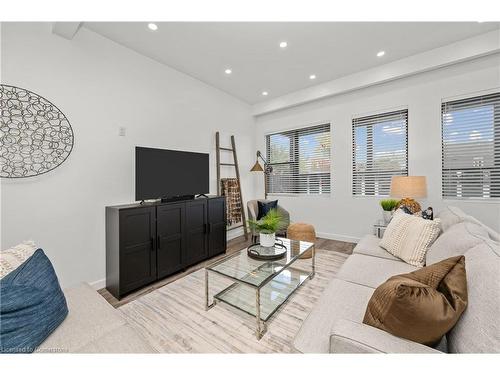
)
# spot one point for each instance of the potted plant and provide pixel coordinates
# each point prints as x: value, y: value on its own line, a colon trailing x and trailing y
x: 388, y: 207
x: 267, y: 227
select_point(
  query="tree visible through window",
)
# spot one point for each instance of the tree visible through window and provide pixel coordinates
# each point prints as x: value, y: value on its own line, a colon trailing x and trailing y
x: 300, y: 160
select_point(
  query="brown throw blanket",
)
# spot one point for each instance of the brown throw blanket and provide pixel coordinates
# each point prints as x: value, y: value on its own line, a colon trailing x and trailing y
x: 230, y: 189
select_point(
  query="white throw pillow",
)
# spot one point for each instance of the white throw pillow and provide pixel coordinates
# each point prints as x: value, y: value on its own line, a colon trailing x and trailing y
x: 408, y: 237
x: 12, y: 258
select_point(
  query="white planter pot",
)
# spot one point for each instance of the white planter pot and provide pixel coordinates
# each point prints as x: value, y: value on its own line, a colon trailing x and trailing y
x: 267, y: 239
x: 387, y: 216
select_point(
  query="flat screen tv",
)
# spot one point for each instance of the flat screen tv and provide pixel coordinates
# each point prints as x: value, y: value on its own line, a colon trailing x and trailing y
x: 168, y: 173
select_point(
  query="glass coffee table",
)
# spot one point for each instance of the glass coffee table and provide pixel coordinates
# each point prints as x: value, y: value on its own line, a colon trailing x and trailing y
x: 260, y: 287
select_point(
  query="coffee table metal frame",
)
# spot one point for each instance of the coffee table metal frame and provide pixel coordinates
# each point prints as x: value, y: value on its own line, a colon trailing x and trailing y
x: 260, y: 323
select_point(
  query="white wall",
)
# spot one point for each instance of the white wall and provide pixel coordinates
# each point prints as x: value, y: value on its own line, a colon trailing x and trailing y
x: 100, y: 86
x: 343, y: 216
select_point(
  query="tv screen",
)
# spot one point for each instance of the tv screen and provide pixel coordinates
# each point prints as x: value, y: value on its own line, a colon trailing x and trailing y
x: 168, y: 173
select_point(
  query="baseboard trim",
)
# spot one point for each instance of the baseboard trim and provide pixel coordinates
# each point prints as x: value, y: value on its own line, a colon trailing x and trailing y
x: 337, y: 237
x: 98, y: 284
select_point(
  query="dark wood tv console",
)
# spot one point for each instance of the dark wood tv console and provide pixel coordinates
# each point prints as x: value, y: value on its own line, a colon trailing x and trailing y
x: 147, y: 242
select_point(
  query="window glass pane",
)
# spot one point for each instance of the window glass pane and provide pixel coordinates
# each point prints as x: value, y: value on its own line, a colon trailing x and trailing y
x: 300, y: 161
x: 389, y: 145
x: 279, y: 179
x: 471, y: 147
x: 280, y: 148
x: 360, y: 148
x: 379, y: 152
x: 314, y: 153
x: 469, y: 143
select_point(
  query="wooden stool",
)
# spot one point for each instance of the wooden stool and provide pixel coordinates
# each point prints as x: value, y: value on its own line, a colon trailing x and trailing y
x: 302, y: 232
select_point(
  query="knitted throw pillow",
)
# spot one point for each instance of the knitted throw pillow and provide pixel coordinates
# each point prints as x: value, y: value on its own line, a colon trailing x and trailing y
x: 12, y: 258
x: 408, y: 237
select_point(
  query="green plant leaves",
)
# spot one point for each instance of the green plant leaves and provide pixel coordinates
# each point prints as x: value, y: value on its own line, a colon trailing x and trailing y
x: 271, y: 223
x: 389, y: 204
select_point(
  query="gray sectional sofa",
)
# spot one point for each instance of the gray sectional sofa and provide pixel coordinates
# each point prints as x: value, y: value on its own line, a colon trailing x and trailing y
x: 335, y: 324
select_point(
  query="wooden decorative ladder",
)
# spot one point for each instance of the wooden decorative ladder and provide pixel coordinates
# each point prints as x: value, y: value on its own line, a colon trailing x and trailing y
x: 237, y: 169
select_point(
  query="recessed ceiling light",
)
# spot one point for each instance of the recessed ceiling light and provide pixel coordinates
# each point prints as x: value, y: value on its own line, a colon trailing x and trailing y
x: 265, y: 93
x: 312, y: 76
x: 380, y: 53
x: 283, y: 44
x: 228, y: 71
x: 152, y: 26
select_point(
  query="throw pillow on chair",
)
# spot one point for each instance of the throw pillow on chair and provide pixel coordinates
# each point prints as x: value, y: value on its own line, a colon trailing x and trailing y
x: 265, y: 207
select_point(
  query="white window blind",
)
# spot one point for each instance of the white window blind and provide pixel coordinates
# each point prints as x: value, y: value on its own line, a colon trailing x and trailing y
x: 380, y: 151
x: 300, y: 160
x: 471, y: 147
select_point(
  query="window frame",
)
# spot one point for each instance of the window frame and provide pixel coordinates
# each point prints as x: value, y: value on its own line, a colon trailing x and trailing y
x: 464, y: 98
x: 294, y: 134
x: 353, y: 147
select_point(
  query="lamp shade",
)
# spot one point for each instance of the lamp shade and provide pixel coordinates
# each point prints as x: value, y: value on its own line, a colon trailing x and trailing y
x: 408, y: 187
x: 257, y: 167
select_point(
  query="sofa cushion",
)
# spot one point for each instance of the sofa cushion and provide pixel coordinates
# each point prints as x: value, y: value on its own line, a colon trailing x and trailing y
x: 90, y: 318
x: 456, y: 240
x: 353, y: 337
x: 477, y: 331
x: 371, y: 271
x: 423, y: 305
x: 408, y: 237
x: 340, y: 299
x: 32, y: 306
x: 450, y: 216
x: 492, y: 235
x: 369, y: 245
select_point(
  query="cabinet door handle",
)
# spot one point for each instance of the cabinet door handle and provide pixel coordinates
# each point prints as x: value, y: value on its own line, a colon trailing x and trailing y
x: 158, y: 242
x: 209, y: 227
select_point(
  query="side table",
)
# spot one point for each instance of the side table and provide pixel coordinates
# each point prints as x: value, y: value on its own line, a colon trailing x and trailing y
x: 379, y: 228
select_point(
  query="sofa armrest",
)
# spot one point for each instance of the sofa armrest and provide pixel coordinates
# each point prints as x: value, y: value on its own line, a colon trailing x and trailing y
x: 252, y: 214
x: 285, y: 216
x: 252, y: 209
x: 351, y: 337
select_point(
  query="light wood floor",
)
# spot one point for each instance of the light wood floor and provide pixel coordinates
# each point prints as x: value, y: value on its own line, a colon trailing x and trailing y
x: 232, y: 246
x: 172, y: 319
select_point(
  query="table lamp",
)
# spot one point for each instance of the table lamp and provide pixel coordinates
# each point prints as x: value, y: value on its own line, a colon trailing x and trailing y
x: 407, y: 188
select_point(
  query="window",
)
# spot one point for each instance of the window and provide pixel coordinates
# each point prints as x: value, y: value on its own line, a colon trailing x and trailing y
x: 380, y: 151
x: 471, y: 147
x: 300, y: 160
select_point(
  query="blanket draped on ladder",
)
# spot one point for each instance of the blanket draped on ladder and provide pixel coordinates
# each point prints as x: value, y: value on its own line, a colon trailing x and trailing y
x: 231, y: 190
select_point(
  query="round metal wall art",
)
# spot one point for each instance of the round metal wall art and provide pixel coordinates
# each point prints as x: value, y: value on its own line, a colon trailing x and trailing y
x: 35, y: 136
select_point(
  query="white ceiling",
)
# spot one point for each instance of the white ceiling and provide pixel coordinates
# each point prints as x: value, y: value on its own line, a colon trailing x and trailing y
x: 328, y: 50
